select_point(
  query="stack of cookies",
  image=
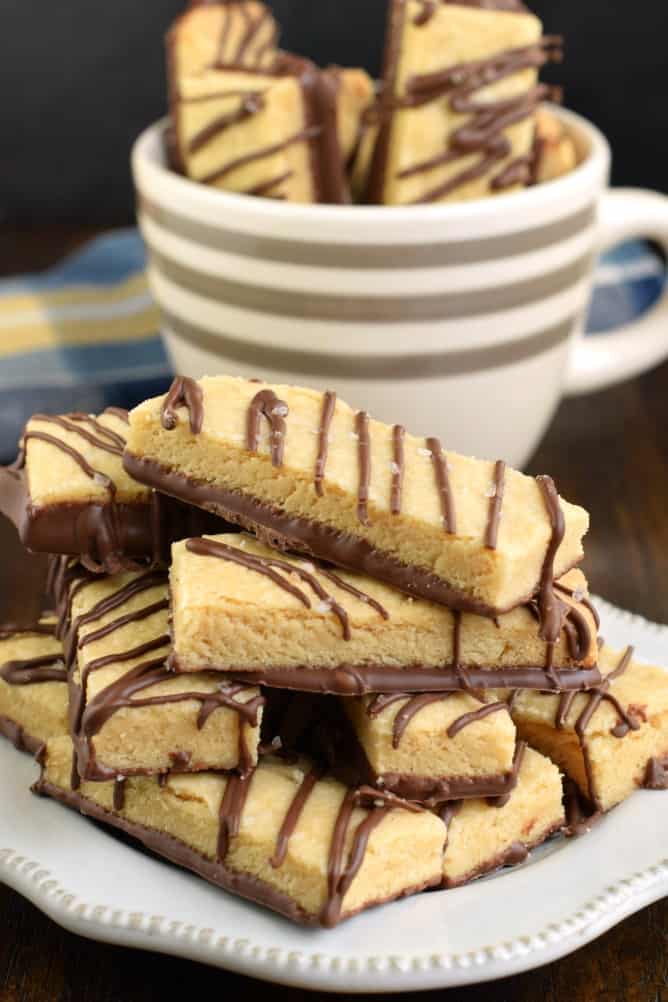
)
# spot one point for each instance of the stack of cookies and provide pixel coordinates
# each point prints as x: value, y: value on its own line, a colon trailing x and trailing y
x: 316, y: 660
x: 458, y: 114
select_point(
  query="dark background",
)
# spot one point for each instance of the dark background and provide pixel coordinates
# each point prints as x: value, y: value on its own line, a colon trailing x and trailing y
x: 79, y: 79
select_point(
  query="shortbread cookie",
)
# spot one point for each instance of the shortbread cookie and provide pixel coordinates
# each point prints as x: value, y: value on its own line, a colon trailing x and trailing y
x: 285, y: 837
x: 310, y: 474
x: 33, y: 689
x: 456, y: 114
x: 209, y: 35
x: 68, y: 493
x: 482, y: 837
x: 609, y: 741
x: 238, y: 606
x: 129, y: 714
x: 434, y: 745
x: 286, y: 135
x: 555, y: 153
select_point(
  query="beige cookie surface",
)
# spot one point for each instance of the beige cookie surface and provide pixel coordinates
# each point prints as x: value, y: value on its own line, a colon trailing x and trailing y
x: 78, y: 458
x: 33, y: 689
x: 404, y: 526
x: 463, y: 136
x: 242, y: 34
x: 604, y: 740
x: 384, y: 851
x: 255, y: 133
x: 556, y: 150
x: 482, y: 837
x: 134, y: 715
x: 422, y: 744
x: 233, y: 610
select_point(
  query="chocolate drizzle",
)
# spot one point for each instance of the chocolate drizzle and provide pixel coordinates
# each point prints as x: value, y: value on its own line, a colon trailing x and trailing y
x: 265, y: 566
x: 266, y: 187
x: 106, y: 440
x: 184, y: 392
x: 303, y: 135
x: 101, y: 430
x: 580, y: 815
x: 231, y: 811
x: 32, y: 671
x: 471, y: 718
x: 425, y: 14
x: 413, y: 704
x: 41, y: 629
x: 656, y: 774
x: 364, y: 464
x: 68, y: 630
x: 253, y: 26
x: 340, y: 874
x: 549, y: 607
x: 443, y: 485
x: 117, y: 624
x: 483, y: 132
x: 119, y: 793
x: 409, y: 710
x: 120, y: 412
x: 251, y: 103
x: 398, y: 468
x: 266, y: 404
x: 328, y: 408
x: 362, y: 596
x: 294, y: 813
x: 496, y: 506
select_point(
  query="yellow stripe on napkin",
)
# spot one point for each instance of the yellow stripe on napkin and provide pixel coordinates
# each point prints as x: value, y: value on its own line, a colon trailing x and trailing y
x: 77, y: 316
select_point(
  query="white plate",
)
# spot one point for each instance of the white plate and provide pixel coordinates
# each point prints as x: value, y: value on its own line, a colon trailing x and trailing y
x: 563, y: 897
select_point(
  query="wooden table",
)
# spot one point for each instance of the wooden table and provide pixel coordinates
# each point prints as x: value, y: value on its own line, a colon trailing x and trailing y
x: 608, y: 452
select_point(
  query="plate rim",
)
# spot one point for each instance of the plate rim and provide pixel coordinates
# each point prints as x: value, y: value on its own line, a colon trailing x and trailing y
x: 328, y: 972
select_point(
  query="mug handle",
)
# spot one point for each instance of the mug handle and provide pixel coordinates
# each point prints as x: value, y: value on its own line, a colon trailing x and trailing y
x: 600, y: 361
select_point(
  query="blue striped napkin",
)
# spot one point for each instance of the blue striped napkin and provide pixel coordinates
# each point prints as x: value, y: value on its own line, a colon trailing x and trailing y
x: 85, y: 334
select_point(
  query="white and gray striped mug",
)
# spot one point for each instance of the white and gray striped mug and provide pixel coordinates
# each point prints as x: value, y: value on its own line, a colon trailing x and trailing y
x: 463, y: 321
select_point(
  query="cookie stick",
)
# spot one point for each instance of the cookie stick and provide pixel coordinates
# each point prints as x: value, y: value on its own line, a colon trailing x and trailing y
x: 130, y: 715
x: 456, y: 114
x: 67, y: 493
x: 317, y: 855
x: 610, y: 740
x: 412, y: 548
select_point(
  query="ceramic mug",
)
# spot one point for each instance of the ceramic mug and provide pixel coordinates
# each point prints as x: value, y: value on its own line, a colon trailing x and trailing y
x: 463, y: 321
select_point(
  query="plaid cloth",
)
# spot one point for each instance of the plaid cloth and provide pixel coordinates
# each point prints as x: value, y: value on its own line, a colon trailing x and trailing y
x: 85, y: 334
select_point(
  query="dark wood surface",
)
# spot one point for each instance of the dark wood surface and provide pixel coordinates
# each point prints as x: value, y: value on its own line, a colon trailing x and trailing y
x: 608, y: 452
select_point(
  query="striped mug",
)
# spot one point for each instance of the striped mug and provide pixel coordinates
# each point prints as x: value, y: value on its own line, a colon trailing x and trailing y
x: 463, y: 321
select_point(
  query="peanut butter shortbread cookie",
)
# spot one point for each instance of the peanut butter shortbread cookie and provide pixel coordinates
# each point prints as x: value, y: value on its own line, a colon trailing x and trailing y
x: 484, y: 836
x: 610, y: 740
x: 33, y: 685
x: 555, y: 153
x: 240, y: 607
x: 285, y: 836
x: 129, y: 714
x: 243, y: 34
x: 68, y: 493
x: 287, y: 134
x: 447, y: 746
x: 456, y: 115
x: 311, y: 474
